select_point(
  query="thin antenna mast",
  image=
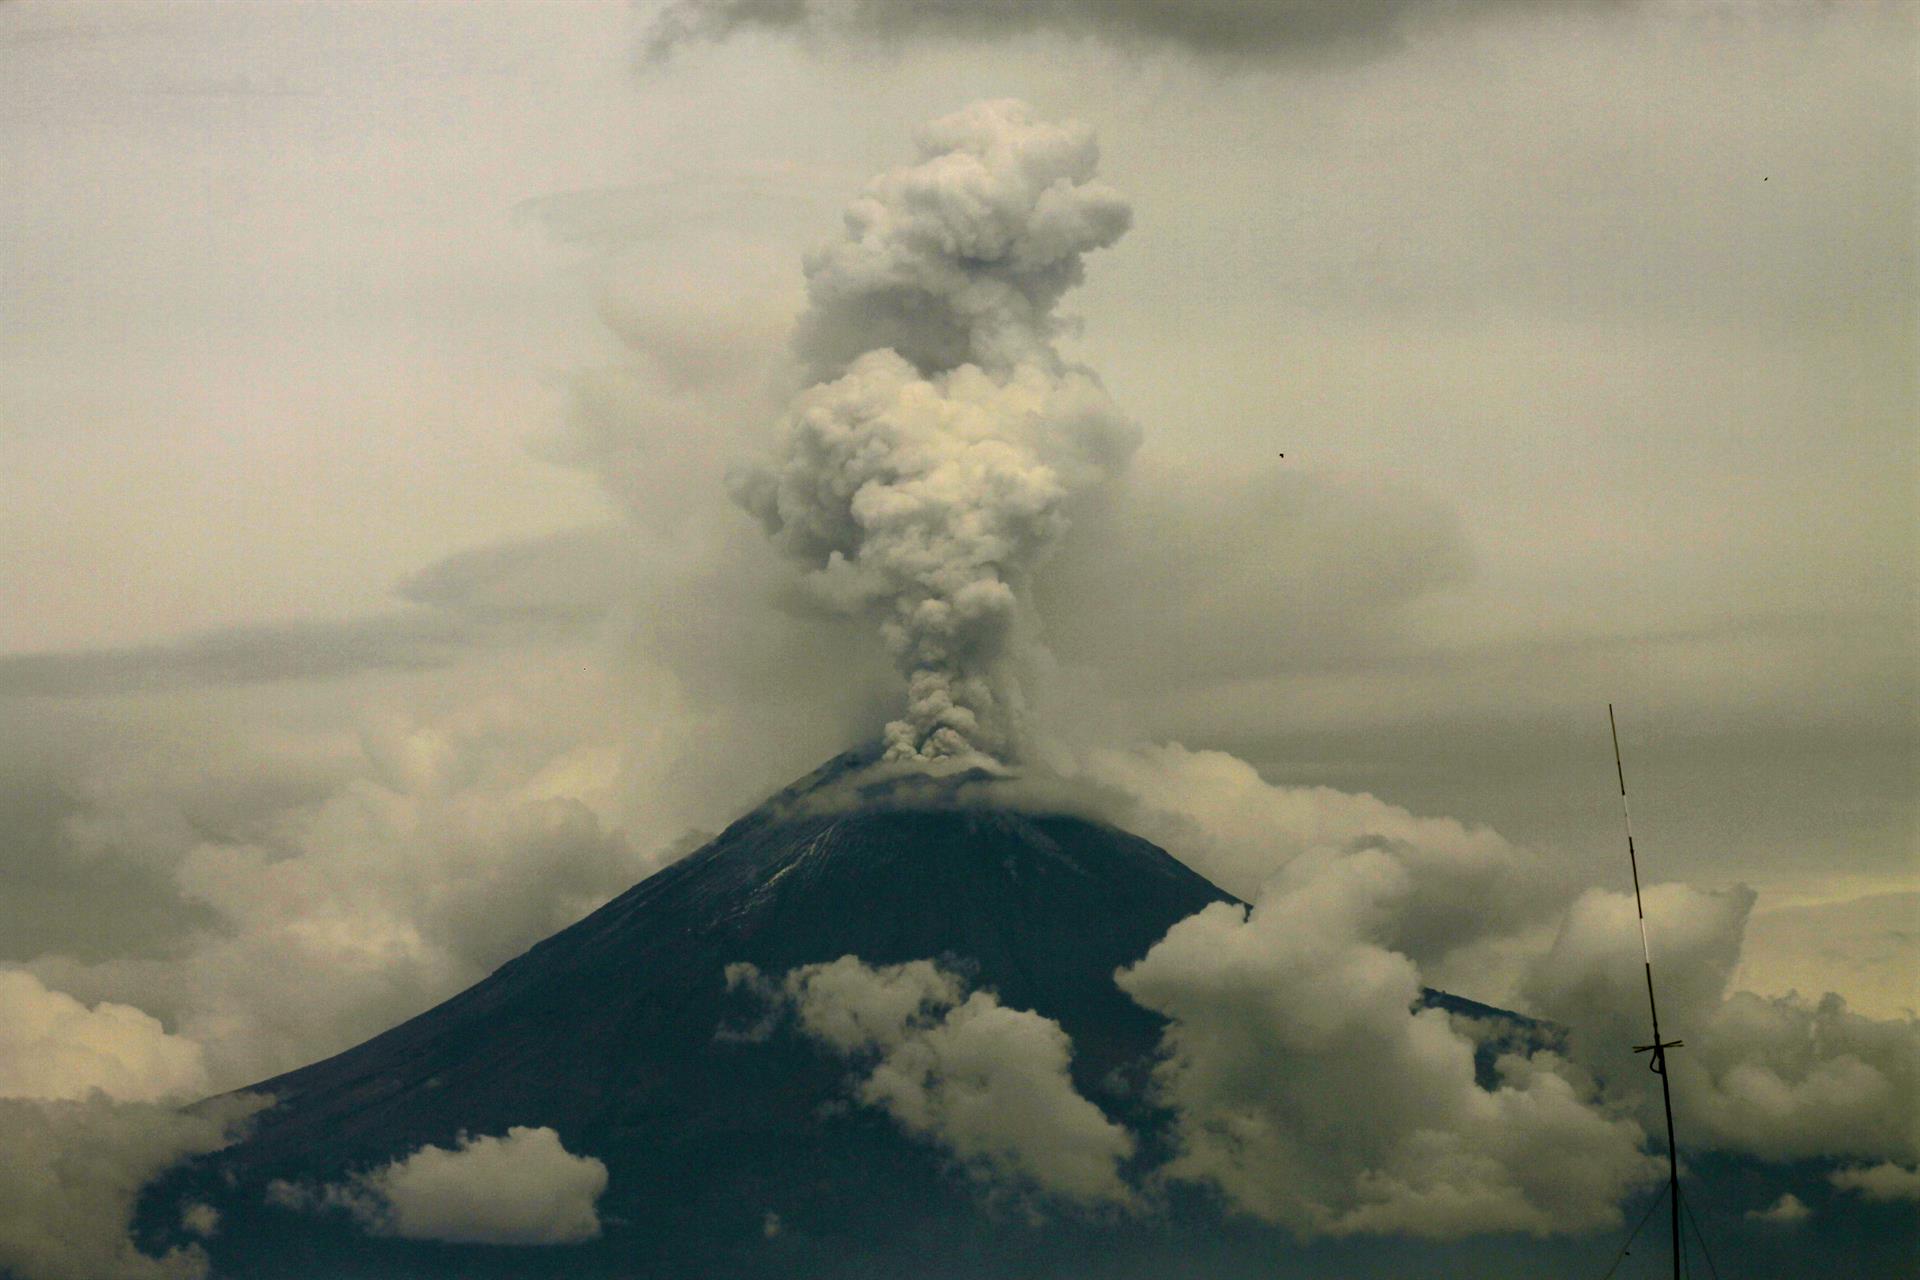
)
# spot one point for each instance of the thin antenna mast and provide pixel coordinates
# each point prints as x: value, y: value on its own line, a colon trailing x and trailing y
x: 1658, y: 1063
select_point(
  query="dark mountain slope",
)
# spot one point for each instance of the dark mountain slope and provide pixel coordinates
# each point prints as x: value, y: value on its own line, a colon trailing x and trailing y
x: 606, y: 1032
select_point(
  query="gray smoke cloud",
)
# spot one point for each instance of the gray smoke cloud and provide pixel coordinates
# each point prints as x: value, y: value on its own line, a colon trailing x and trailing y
x: 934, y: 461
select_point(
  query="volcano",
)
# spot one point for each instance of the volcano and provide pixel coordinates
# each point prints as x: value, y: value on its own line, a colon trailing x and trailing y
x: 615, y: 1033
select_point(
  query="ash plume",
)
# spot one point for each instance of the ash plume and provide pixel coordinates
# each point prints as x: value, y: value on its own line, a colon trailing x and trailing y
x: 934, y: 460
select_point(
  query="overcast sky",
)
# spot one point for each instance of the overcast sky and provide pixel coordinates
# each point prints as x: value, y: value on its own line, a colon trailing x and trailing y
x: 371, y: 374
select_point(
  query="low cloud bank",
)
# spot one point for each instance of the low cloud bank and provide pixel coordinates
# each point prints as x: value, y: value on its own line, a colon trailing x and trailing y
x: 72, y: 1171
x: 987, y: 1083
x: 53, y: 1046
x: 1311, y: 1086
x: 1390, y: 901
x: 448, y: 846
x: 1312, y: 1089
x: 1884, y: 1182
x: 1467, y: 887
x: 1307, y: 1085
x: 1777, y: 1077
x: 521, y: 1189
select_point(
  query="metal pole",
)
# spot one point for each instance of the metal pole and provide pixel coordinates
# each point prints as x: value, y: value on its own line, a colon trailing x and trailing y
x: 1658, y: 1063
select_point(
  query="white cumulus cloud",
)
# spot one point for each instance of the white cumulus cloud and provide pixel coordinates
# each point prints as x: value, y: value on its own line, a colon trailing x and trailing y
x: 1314, y: 1091
x: 53, y: 1046
x: 450, y: 844
x: 988, y: 1083
x: 1459, y: 907
x: 521, y: 1189
x: 1473, y: 898
x: 1779, y: 1077
x: 1788, y: 1210
x: 72, y: 1171
x: 1886, y: 1181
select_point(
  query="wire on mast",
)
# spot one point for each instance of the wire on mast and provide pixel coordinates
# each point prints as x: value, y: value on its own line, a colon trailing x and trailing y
x: 1658, y: 1063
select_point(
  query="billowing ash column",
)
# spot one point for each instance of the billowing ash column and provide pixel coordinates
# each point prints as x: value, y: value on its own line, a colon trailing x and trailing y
x: 928, y: 469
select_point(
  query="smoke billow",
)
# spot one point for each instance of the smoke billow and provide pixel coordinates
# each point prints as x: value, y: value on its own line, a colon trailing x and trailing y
x: 933, y: 462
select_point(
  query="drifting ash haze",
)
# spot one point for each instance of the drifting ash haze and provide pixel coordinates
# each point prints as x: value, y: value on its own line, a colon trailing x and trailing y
x: 933, y: 464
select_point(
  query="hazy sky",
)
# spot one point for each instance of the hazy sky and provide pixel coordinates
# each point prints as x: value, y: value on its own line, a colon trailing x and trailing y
x: 381, y: 386
x: 371, y: 374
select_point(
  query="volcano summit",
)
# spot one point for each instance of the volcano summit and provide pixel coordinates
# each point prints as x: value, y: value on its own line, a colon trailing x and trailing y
x: 894, y: 1024
x: 736, y: 1134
